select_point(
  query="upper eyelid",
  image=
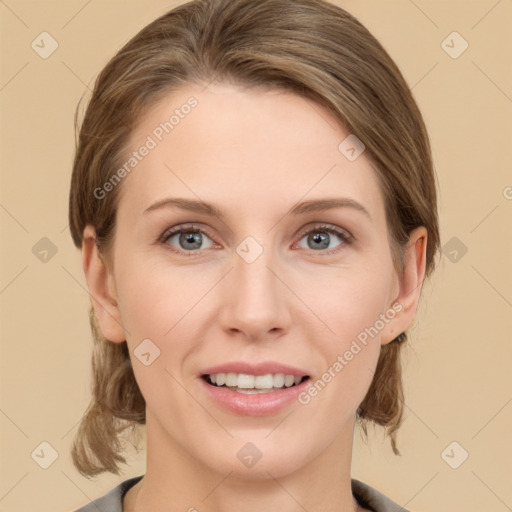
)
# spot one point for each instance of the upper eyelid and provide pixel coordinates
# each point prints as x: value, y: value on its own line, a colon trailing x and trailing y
x: 183, y: 227
x: 323, y: 225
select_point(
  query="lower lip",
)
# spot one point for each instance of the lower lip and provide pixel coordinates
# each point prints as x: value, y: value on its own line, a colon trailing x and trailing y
x: 258, y: 404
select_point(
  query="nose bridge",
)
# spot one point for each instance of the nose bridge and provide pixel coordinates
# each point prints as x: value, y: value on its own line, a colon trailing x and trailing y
x: 256, y: 302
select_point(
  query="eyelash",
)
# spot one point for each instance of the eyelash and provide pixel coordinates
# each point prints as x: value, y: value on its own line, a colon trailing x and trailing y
x: 346, y: 238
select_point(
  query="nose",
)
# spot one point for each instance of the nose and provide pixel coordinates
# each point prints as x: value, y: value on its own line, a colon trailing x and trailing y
x: 255, y: 300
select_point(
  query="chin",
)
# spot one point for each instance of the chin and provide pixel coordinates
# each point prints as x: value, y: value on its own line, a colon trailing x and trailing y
x: 258, y: 460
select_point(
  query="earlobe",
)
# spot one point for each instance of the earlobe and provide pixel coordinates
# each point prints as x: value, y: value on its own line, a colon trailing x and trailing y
x: 100, y: 283
x: 410, y: 284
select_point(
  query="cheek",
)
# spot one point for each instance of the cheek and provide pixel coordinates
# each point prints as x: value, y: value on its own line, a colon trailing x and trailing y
x: 347, y: 300
x: 162, y: 305
x: 155, y: 298
x: 350, y: 307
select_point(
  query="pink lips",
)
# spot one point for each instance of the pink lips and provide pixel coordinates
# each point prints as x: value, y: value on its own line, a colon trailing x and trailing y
x: 261, y: 404
x: 255, y: 369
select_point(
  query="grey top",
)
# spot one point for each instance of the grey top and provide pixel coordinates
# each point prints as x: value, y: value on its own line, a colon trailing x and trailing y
x: 367, y: 496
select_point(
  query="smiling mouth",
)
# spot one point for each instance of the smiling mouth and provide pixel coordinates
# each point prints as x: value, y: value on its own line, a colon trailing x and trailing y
x: 253, y: 384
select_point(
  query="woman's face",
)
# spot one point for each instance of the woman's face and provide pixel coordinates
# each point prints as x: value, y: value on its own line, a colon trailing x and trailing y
x: 270, y: 284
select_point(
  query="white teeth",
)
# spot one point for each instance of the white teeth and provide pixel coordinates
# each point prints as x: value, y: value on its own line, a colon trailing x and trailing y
x: 289, y: 380
x: 262, y: 382
x: 231, y: 379
x: 279, y: 380
x: 244, y: 381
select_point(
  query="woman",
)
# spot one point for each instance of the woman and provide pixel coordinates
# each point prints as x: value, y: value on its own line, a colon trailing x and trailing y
x: 255, y: 201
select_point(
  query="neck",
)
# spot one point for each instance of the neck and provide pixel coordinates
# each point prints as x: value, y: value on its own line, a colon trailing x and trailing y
x: 177, y: 481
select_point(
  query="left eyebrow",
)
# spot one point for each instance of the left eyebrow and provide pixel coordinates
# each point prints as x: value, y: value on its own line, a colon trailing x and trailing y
x: 316, y: 205
x: 320, y: 205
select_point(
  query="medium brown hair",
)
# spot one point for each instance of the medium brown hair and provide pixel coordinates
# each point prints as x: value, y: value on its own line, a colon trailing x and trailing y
x: 309, y: 47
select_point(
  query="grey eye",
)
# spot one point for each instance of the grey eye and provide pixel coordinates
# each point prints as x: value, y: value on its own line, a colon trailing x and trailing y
x: 188, y: 240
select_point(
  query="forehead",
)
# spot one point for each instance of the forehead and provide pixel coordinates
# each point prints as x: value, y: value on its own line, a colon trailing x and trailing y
x: 244, y: 149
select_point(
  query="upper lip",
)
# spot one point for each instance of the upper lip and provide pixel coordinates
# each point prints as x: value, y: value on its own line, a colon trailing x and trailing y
x: 263, y: 368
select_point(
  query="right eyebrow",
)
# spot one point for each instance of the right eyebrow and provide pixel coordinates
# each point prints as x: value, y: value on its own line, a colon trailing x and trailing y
x: 192, y: 205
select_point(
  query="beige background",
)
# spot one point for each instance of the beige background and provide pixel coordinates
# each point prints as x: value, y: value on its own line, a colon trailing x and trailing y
x: 458, y: 379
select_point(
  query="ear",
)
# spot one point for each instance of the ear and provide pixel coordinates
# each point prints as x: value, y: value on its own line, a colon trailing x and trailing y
x: 100, y: 282
x: 410, y: 283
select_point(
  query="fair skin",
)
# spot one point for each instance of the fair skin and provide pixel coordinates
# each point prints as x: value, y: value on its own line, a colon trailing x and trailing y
x: 255, y: 155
